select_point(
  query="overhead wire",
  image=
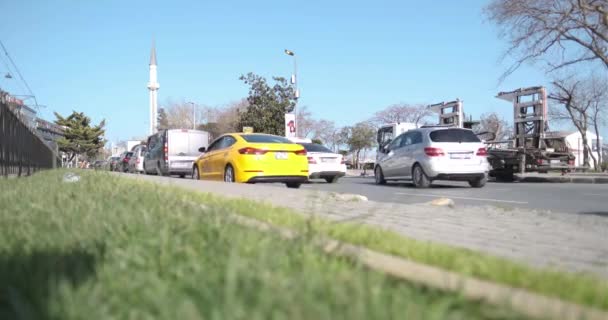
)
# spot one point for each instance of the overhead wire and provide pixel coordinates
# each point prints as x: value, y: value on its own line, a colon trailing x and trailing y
x: 19, y: 73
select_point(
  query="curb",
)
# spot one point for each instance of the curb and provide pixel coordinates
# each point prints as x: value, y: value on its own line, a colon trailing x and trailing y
x: 526, y: 302
x: 562, y: 179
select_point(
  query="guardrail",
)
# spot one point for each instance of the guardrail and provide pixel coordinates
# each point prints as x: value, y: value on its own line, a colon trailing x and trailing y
x: 22, y: 152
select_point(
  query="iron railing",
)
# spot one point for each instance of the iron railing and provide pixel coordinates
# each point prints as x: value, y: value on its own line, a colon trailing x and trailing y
x: 22, y: 151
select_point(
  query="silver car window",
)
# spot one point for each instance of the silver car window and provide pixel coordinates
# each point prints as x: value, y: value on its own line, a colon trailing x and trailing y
x: 396, y: 144
x: 406, y: 140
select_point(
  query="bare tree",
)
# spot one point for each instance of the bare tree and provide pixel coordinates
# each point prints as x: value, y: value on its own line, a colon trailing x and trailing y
x: 224, y: 119
x: 402, y: 112
x: 328, y: 133
x: 563, y: 32
x: 583, y: 103
x: 598, y: 92
x: 305, y: 121
x: 182, y: 114
x: 492, y: 127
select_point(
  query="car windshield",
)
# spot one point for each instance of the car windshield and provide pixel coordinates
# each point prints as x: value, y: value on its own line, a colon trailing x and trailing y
x: 129, y: 154
x: 313, y: 147
x: 454, y: 135
x: 264, y: 138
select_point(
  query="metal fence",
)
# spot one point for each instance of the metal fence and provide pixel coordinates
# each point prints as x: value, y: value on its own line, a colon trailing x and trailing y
x: 22, y: 151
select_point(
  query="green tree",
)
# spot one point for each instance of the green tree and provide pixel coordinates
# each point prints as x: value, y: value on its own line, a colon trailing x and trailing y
x: 81, y: 137
x: 267, y: 105
x: 317, y: 141
x: 162, y: 120
x: 357, y: 138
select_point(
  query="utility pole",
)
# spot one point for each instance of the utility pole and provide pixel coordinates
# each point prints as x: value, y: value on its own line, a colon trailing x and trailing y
x: 294, y: 82
x: 193, y: 115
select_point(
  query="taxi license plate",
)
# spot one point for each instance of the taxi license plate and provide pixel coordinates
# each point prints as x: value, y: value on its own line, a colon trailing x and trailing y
x: 280, y: 155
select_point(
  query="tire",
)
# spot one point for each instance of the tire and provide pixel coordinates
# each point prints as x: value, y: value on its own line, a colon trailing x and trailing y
x: 419, y: 178
x: 159, y: 172
x: 182, y: 175
x: 229, y: 174
x: 333, y: 179
x: 293, y: 185
x: 379, y: 176
x: 504, y: 176
x: 195, y: 173
x: 478, y: 183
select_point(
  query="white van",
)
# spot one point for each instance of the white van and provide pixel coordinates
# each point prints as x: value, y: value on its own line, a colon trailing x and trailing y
x: 173, y: 151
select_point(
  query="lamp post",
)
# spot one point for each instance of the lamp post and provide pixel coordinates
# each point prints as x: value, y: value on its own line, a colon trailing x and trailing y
x: 193, y: 115
x: 294, y: 82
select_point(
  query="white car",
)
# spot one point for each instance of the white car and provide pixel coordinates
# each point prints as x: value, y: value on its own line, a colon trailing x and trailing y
x: 434, y: 153
x: 323, y: 163
x: 136, y: 162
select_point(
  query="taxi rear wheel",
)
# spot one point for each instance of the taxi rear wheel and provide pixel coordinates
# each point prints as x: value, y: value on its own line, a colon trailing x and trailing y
x: 229, y: 174
x: 293, y: 185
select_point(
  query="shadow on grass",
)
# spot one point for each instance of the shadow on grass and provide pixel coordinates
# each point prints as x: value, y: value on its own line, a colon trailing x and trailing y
x: 28, y: 280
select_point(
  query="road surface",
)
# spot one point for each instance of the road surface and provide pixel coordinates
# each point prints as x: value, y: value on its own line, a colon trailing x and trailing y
x: 591, y: 199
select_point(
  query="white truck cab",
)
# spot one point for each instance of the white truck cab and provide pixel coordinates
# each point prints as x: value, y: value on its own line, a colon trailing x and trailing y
x: 388, y: 132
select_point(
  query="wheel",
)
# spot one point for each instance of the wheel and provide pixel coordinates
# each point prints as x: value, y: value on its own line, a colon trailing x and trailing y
x: 182, y: 175
x: 478, y: 183
x: 420, y: 179
x: 504, y: 176
x: 229, y: 174
x: 159, y: 172
x: 195, y: 175
x: 293, y: 185
x: 333, y: 179
x: 379, y: 176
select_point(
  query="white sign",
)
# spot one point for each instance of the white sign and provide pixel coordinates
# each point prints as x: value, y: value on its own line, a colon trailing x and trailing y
x: 290, y: 125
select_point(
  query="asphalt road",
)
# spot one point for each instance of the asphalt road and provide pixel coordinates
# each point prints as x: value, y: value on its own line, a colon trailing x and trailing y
x: 561, y: 197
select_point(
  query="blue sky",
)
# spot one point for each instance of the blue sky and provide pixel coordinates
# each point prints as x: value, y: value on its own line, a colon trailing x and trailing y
x: 354, y: 57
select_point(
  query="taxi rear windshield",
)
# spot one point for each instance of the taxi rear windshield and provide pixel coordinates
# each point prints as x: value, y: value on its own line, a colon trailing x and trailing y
x: 454, y: 135
x: 262, y: 138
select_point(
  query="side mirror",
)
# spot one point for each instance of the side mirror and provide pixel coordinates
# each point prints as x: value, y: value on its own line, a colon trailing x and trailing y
x: 202, y: 149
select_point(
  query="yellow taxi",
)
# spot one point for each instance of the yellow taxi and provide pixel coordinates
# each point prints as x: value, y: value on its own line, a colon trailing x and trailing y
x: 253, y: 158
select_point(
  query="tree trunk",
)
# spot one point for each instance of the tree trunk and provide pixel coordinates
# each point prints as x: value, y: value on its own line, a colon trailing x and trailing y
x: 585, y: 150
x: 598, y: 143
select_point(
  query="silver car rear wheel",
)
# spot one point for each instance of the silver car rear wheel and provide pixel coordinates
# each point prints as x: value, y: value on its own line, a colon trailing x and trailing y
x: 419, y: 178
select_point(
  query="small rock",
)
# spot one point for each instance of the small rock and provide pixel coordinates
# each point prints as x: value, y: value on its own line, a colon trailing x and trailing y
x: 71, y: 177
x: 442, y: 202
x: 349, y: 197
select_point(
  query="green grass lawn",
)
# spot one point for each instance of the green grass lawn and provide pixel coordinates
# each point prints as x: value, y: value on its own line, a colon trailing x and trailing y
x: 581, y: 288
x: 111, y: 248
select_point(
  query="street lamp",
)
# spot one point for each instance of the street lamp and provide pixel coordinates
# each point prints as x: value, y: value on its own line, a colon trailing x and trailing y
x: 294, y: 82
x: 193, y: 115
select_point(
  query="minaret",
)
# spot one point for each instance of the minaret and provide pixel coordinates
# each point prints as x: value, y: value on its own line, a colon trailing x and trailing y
x: 153, y: 87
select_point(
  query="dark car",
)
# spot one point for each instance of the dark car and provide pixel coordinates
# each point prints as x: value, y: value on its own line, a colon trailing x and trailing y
x: 112, y: 163
x: 123, y: 163
x: 99, y: 164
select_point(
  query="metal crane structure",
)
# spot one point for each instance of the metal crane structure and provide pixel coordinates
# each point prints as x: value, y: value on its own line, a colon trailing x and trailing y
x: 532, y: 150
x: 450, y: 113
x: 529, y: 116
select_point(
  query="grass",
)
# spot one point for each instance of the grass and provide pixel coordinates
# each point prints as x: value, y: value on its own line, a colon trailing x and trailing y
x: 111, y: 248
x: 581, y: 288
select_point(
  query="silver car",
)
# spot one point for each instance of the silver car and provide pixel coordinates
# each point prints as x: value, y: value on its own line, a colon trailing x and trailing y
x: 434, y: 153
x: 136, y: 162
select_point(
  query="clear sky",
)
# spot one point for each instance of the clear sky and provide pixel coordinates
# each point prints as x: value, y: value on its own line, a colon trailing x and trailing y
x: 354, y: 57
